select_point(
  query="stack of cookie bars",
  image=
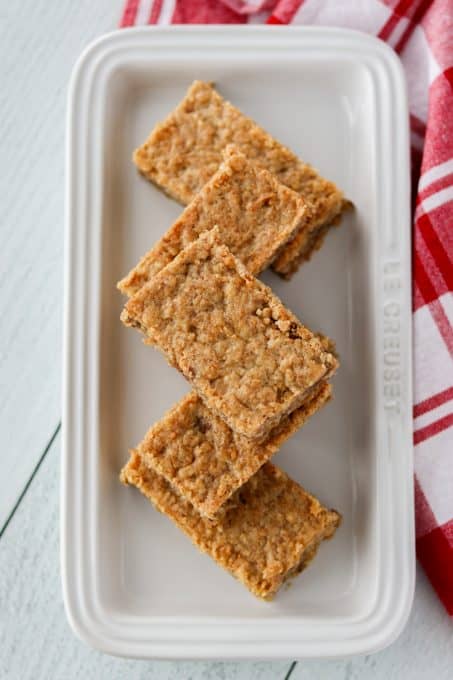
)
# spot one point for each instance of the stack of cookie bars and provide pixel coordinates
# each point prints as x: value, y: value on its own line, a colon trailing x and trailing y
x: 258, y: 374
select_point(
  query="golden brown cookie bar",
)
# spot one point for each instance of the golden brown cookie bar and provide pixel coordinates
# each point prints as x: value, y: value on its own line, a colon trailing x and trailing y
x: 251, y: 361
x: 271, y: 530
x: 255, y: 213
x: 204, y: 460
x: 184, y: 151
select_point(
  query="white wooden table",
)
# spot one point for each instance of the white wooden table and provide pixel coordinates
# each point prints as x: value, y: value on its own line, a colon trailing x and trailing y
x: 39, y: 41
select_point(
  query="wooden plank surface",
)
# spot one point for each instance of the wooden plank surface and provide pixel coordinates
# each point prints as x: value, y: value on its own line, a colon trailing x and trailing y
x: 37, y: 644
x: 424, y: 651
x: 39, y: 42
x: 35, y: 640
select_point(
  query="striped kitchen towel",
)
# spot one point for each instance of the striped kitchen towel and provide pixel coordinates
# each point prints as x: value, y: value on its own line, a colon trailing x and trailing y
x: 421, y: 32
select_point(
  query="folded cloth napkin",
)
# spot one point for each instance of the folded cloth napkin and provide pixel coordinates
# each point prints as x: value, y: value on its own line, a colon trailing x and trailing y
x: 421, y: 32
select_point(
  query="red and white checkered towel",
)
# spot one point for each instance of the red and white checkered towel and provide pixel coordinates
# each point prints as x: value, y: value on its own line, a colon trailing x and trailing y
x: 421, y: 32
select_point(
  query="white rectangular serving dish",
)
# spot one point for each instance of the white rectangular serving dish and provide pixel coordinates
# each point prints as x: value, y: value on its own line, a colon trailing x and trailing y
x: 133, y: 584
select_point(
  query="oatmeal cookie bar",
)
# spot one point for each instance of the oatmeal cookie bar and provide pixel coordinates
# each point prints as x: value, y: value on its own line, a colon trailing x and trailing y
x: 270, y: 532
x: 255, y: 213
x: 204, y: 460
x: 251, y: 361
x: 184, y: 151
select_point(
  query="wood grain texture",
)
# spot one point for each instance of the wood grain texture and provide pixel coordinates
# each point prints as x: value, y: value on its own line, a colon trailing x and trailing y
x: 37, y: 644
x: 35, y: 640
x: 39, y: 42
x: 424, y: 651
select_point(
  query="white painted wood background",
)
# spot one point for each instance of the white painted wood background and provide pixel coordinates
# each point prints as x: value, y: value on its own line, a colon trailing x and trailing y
x: 39, y: 41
